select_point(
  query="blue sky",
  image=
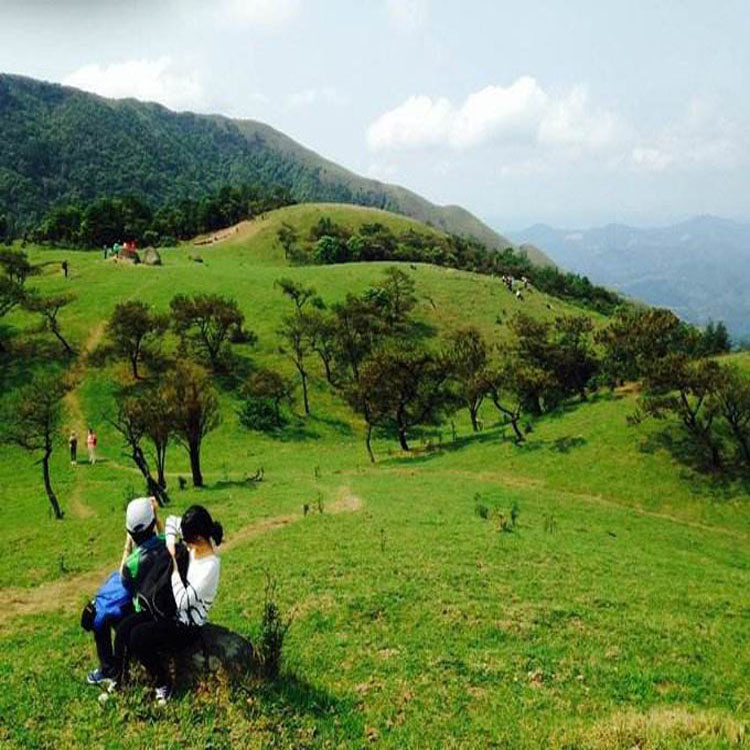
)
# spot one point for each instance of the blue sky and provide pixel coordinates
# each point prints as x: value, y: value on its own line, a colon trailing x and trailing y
x: 572, y: 113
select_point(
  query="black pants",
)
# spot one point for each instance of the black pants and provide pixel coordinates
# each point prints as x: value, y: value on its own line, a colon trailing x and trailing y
x: 103, y: 640
x: 144, y: 638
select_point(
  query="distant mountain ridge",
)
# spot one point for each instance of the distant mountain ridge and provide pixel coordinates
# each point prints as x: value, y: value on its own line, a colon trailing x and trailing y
x: 700, y: 268
x: 62, y: 144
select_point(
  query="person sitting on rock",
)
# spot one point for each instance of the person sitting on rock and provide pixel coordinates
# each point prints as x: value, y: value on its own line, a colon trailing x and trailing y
x: 143, y: 635
x: 144, y: 539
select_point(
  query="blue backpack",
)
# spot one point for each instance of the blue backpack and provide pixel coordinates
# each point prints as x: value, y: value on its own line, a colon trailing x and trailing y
x: 112, y: 600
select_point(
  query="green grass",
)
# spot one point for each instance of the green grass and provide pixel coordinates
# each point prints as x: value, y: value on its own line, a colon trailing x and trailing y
x: 615, y: 614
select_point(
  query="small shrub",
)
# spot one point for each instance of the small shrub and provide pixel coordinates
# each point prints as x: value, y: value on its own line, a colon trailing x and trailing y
x: 258, y: 414
x: 273, y: 629
x: 482, y: 511
x: 319, y: 503
x: 515, y: 511
x: 182, y: 482
x: 305, y: 509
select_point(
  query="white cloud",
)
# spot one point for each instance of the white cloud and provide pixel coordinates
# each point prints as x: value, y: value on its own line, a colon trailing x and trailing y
x: 702, y: 138
x: 308, y: 97
x: 521, y: 113
x: 407, y: 15
x: 255, y: 13
x: 149, y: 80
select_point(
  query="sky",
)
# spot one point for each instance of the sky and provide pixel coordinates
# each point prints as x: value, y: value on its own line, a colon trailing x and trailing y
x: 573, y: 113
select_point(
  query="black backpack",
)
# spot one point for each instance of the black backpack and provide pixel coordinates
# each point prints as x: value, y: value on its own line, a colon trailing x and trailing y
x: 155, y: 590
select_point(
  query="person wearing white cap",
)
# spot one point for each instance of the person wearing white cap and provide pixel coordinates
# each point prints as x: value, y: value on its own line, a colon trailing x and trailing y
x: 143, y: 541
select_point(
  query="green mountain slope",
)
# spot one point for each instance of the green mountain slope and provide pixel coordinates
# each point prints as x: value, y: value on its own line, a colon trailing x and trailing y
x: 61, y: 144
x: 613, y: 614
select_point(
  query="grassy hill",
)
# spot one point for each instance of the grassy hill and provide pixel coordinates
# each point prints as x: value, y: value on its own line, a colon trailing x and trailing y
x: 61, y: 145
x: 614, y: 615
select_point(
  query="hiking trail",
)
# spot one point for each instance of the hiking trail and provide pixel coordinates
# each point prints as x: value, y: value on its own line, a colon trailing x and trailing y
x: 69, y: 594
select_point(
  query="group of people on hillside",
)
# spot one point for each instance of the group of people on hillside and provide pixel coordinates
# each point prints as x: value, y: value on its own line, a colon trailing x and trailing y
x: 509, y: 281
x: 158, y: 599
x: 91, y: 443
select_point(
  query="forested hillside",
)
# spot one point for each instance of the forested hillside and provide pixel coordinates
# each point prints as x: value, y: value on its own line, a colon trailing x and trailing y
x: 61, y: 145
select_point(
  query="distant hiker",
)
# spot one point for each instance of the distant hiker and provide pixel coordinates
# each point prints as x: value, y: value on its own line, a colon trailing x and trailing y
x: 73, y: 445
x: 91, y: 445
x: 114, y: 600
x: 192, y: 576
x: 64, y: 265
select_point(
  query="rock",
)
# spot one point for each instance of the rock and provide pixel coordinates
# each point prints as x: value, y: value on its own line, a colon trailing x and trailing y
x: 129, y: 256
x: 217, y: 650
x: 151, y: 257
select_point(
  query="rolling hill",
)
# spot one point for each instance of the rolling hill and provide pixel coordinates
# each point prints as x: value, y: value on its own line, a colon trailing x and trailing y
x: 699, y: 268
x: 61, y: 144
x: 612, y: 615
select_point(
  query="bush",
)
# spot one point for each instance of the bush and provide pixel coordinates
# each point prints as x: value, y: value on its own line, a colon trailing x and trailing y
x: 273, y: 629
x: 258, y: 413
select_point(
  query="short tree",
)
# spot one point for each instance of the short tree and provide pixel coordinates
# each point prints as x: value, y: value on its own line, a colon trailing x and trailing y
x: 400, y: 386
x: 16, y: 266
x: 49, y: 309
x: 206, y: 322
x: 574, y: 361
x: 295, y: 336
x: 467, y: 357
x: 300, y: 295
x: 263, y: 393
x: 395, y: 299
x: 159, y: 424
x: 195, y: 406
x: 732, y: 402
x: 131, y: 328
x: 687, y: 389
x: 32, y: 421
x: 132, y: 422
x: 321, y: 327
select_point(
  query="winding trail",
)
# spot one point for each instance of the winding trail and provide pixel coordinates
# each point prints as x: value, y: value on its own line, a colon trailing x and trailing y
x: 78, y: 506
x: 521, y: 482
x: 69, y: 594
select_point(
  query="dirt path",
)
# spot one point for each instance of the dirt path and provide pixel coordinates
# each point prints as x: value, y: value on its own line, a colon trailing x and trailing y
x: 69, y: 594
x: 78, y: 506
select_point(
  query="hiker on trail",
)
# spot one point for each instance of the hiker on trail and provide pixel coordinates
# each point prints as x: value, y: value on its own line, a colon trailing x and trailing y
x: 64, y: 265
x: 73, y: 445
x: 91, y: 445
x: 193, y: 577
x: 144, y: 540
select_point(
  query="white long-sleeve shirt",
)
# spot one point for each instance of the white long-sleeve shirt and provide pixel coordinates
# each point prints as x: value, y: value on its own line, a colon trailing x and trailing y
x: 195, y: 597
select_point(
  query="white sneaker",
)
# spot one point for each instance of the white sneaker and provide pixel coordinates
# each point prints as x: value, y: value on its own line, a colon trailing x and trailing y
x: 163, y: 694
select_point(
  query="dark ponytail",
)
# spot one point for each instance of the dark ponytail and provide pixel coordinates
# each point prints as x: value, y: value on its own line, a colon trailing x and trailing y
x: 197, y: 522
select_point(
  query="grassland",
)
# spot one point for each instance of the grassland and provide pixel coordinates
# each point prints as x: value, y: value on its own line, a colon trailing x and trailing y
x: 614, y: 615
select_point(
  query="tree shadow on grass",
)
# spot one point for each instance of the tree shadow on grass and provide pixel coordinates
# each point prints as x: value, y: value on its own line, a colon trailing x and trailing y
x: 725, y: 483
x: 293, y: 699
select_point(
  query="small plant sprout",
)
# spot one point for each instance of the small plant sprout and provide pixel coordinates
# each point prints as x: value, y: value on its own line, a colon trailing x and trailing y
x: 305, y: 509
x: 319, y: 502
x: 382, y: 540
x: 273, y: 629
x: 316, y: 472
x: 182, y: 482
x: 515, y: 511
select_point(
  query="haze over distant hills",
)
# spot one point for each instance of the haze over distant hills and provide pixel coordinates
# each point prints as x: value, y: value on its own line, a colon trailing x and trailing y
x: 700, y: 268
x: 62, y: 144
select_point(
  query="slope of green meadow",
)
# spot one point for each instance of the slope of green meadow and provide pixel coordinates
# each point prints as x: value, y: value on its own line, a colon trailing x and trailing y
x: 615, y: 615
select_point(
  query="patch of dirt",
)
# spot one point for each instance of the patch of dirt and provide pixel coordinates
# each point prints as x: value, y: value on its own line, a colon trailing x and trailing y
x: 69, y: 594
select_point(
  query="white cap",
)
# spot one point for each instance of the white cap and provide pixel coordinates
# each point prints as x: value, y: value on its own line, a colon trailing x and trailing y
x: 140, y: 515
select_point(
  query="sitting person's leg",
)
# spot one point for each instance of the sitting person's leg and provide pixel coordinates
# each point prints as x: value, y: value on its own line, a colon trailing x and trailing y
x: 122, y: 639
x: 147, y: 639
